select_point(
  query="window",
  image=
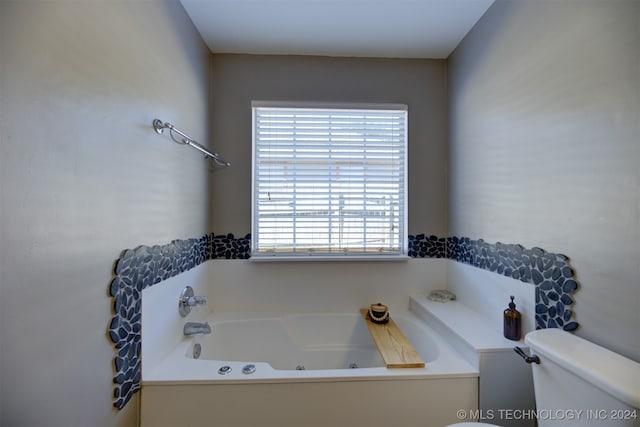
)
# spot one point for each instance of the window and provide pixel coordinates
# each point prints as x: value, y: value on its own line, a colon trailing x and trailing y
x: 329, y: 181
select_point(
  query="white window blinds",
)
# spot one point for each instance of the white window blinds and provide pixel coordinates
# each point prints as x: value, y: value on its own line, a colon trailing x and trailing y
x: 329, y: 181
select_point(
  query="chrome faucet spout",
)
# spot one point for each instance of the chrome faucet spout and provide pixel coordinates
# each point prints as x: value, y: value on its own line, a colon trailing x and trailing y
x: 193, y: 328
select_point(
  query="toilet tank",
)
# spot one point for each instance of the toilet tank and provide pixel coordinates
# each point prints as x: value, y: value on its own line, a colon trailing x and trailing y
x: 580, y: 383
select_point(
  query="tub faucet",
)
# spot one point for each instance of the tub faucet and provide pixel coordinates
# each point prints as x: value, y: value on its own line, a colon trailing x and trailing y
x: 193, y: 328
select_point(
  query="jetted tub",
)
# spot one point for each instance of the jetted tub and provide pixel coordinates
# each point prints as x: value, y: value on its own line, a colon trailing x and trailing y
x: 305, y: 370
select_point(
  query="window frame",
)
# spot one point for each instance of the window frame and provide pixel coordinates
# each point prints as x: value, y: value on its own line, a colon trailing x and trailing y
x: 333, y: 256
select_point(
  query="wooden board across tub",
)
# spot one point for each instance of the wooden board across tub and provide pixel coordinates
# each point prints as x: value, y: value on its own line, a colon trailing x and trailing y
x: 395, y: 349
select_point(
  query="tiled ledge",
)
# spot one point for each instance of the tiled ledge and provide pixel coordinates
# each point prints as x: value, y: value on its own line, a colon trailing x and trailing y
x: 469, y: 324
x: 470, y: 332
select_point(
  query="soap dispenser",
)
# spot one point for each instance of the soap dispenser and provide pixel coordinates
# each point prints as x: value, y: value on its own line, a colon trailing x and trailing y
x: 512, y: 322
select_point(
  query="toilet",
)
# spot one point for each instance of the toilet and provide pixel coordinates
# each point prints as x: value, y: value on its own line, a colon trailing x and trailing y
x: 579, y: 383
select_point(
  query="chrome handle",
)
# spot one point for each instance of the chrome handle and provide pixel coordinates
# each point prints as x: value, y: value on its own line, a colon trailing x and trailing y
x: 187, y: 300
x: 529, y: 359
x: 193, y: 301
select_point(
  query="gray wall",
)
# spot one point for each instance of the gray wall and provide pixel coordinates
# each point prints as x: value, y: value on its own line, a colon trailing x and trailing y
x: 544, y: 147
x: 236, y: 80
x: 84, y: 176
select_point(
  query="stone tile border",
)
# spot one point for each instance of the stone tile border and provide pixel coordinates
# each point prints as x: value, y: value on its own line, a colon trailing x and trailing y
x: 551, y: 273
x: 145, y: 266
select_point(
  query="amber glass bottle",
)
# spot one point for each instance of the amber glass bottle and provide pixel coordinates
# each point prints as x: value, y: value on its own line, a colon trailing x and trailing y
x: 512, y: 321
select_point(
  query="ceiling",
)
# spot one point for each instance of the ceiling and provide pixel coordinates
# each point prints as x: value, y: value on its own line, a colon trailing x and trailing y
x: 364, y: 28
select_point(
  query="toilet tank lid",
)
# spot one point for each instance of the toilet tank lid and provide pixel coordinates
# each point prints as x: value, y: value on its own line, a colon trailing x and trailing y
x: 611, y: 372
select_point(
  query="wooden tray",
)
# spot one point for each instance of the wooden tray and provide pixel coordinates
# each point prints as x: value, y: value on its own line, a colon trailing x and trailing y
x: 395, y: 349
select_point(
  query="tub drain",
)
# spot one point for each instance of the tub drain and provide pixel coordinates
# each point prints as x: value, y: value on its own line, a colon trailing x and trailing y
x: 197, y: 349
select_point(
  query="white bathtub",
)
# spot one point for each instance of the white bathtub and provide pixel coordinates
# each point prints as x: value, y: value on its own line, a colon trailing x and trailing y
x: 344, y: 381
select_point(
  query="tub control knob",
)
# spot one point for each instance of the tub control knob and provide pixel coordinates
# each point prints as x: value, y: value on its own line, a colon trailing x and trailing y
x: 249, y: 369
x: 224, y: 370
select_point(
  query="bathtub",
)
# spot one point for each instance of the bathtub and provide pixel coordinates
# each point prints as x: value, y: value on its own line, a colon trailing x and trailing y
x: 305, y: 370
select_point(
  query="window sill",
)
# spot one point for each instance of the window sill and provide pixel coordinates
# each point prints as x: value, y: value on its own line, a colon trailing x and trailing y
x: 339, y: 258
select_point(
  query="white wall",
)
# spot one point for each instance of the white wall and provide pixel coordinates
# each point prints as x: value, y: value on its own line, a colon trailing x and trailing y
x: 321, y: 287
x: 236, y: 80
x: 544, y: 147
x: 488, y: 294
x: 162, y: 324
x: 84, y: 176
